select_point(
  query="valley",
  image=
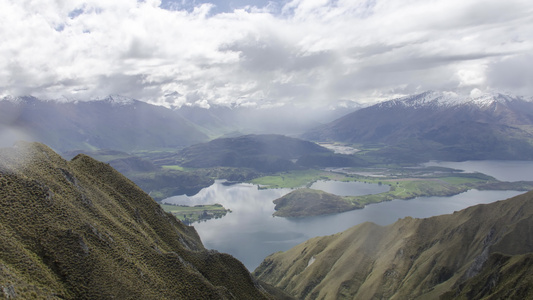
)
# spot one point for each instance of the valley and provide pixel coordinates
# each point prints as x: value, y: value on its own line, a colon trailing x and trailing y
x: 250, y: 232
x: 164, y: 174
x: 255, y: 194
x: 266, y: 150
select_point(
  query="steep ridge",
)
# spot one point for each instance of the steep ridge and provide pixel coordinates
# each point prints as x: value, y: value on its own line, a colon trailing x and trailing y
x: 482, y: 252
x: 439, y: 125
x: 80, y: 230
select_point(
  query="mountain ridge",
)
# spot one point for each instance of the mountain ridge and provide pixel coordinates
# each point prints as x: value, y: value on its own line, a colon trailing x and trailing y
x: 202, y: 123
x: 449, y: 255
x: 80, y: 230
x: 425, y: 127
x: 450, y: 99
x: 111, y: 123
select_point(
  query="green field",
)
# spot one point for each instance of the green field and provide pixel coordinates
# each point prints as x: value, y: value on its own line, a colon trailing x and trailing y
x: 197, y: 213
x: 407, y: 189
x: 174, y: 167
x: 296, y: 179
x: 405, y: 183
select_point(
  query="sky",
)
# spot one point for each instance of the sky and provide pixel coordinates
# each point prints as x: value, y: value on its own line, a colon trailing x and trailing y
x: 263, y: 53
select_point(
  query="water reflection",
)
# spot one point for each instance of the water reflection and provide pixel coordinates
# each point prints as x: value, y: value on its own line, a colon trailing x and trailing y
x: 250, y: 232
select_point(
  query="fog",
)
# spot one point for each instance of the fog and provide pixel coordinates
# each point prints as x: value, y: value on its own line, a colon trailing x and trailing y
x: 9, y: 135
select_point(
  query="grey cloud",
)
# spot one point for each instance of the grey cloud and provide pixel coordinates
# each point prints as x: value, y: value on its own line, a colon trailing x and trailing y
x: 489, y: 12
x: 121, y: 84
x: 309, y: 51
x: 514, y: 73
x: 259, y: 55
x: 139, y: 49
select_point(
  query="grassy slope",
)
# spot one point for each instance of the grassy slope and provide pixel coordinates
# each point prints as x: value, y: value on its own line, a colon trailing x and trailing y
x: 482, y: 251
x: 295, y: 179
x: 80, y: 230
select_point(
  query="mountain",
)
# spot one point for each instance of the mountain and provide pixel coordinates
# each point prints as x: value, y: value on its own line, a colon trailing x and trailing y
x: 125, y: 124
x: 264, y: 152
x: 80, y: 230
x: 439, y: 125
x: 112, y: 123
x: 482, y: 252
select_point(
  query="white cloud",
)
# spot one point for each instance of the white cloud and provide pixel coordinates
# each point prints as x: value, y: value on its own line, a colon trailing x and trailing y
x: 303, y: 51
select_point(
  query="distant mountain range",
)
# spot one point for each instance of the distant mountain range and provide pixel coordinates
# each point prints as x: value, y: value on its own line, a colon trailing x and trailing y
x: 439, y: 125
x: 112, y: 123
x: 430, y: 125
x: 125, y: 124
x: 482, y: 252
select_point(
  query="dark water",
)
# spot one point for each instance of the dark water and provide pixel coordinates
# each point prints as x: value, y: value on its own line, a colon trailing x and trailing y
x: 503, y: 170
x: 250, y: 232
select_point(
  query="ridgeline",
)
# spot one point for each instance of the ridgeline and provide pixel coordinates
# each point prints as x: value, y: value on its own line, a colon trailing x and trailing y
x: 80, y: 230
x: 482, y: 252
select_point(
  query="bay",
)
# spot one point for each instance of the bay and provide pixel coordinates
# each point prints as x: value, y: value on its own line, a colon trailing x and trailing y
x: 503, y: 170
x: 250, y: 232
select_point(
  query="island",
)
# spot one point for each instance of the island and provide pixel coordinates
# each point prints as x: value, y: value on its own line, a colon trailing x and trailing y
x: 404, y: 183
x: 308, y: 202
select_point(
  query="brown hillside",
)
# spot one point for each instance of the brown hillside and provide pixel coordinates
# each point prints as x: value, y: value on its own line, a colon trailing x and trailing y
x: 482, y: 252
x: 81, y: 230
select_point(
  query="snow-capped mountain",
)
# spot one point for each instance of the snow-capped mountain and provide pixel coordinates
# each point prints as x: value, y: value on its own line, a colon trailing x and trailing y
x: 441, y: 125
x: 436, y: 99
x: 426, y: 99
x: 117, y: 100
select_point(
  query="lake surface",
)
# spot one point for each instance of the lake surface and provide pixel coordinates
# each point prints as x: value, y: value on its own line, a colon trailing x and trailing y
x: 250, y: 232
x: 503, y: 170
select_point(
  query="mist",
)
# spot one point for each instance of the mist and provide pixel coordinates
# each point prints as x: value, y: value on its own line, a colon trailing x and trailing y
x: 9, y: 135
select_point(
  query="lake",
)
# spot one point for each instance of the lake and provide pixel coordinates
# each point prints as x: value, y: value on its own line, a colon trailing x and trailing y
x: 503, y: 170
x: 250, y: 232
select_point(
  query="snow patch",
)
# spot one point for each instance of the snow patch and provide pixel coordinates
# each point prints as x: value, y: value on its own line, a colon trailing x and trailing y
x: 116, y: 100
x: 450, y: 99
x: 311, y: 261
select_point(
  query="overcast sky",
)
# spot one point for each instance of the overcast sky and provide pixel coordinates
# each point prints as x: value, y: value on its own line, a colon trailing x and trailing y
x: 263, y: 52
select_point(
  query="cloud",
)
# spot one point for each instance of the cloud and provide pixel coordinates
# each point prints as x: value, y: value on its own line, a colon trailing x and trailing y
x: 514, y: 73
x: 228, y: 52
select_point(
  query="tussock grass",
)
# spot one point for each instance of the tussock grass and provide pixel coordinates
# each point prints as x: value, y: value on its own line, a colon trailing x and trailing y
x: 80, y: 230
x: 482, y: 252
